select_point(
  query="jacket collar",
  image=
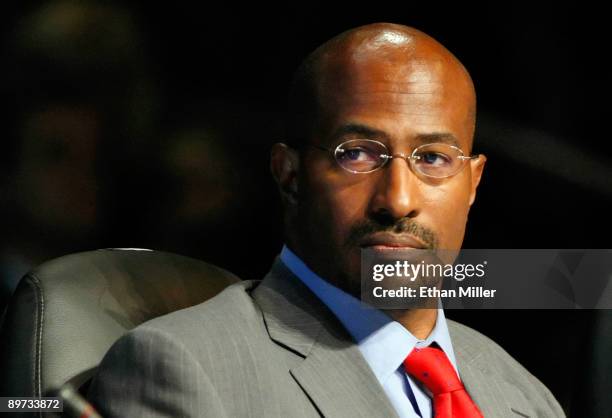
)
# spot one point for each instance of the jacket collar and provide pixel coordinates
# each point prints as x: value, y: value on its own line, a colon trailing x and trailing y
x: 334, y: 373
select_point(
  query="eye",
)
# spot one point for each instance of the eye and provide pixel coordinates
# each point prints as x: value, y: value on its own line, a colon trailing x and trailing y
x: 437, y: 159
x: 358, y: 154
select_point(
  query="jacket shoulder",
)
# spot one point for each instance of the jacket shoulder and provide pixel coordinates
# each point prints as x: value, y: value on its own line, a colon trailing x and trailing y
x: 229, y: 313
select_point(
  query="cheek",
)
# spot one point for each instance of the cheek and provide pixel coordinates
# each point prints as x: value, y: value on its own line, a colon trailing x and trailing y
x: 338, y: 205
x: 446, y: 206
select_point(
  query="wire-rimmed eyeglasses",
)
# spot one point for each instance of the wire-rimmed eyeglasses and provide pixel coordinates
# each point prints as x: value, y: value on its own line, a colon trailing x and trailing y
x: 436, y: 160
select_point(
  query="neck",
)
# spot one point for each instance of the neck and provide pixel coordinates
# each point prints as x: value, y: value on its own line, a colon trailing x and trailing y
x: 420, y: 322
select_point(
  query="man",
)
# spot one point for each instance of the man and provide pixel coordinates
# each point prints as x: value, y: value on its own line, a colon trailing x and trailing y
x: 380, y: 132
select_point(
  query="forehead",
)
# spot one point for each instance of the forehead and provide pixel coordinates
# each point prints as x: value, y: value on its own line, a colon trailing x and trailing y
x: 402, y: 94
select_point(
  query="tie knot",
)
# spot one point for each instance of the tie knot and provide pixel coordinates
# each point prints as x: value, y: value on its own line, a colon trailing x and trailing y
x: 432, y: 368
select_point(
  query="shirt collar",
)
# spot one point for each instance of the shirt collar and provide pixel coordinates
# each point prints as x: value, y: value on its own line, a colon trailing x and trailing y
x: 383, y: 342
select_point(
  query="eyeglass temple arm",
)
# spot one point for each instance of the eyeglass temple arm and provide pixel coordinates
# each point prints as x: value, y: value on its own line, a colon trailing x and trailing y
x: 469, y: 157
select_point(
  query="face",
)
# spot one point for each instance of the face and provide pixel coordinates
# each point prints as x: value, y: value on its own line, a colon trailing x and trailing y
x: 403, y: 104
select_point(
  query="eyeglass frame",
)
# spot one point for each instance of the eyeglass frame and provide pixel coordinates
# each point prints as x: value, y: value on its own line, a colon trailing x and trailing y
x: 408, y: 158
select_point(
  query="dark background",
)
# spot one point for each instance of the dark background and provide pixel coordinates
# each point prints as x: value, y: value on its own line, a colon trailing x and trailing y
x: 149, y: 126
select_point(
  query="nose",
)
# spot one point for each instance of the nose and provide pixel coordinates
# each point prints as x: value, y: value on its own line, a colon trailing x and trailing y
x: 397, y: 192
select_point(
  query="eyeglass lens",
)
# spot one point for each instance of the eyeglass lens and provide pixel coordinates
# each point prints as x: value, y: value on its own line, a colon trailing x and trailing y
x: 434, y: 160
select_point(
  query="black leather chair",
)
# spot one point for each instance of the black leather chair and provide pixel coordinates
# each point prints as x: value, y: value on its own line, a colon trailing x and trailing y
x: 66, y: 314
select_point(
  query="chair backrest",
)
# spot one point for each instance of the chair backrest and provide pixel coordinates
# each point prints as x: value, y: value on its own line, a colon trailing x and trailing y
x: 66, y: 314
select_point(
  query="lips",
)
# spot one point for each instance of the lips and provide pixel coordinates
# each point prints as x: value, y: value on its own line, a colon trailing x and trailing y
x: 385, y: 241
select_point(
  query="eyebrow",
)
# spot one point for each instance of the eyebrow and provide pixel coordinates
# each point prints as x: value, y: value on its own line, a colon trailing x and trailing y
x: 369, y: 132
x: 363, y: 131
x: 443, y: 137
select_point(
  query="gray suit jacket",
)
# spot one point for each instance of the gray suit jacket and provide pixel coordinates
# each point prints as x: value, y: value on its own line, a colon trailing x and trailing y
x: 272, y: 349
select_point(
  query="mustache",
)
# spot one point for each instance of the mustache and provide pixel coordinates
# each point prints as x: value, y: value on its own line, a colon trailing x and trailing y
x: 401, y: 227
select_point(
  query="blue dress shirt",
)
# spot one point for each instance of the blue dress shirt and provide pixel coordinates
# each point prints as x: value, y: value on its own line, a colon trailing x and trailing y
x: 383, y: 342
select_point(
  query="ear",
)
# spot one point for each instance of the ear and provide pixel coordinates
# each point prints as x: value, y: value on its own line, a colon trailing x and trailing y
x: 284, y: 165
x: 476, y: 166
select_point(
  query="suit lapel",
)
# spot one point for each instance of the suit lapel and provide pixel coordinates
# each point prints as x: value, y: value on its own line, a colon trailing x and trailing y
x: 339, y: 381
x: 333, y: 374
x: 495, y: 396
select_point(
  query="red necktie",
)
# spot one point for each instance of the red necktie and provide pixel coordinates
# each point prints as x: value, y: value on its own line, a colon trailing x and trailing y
x: 431, y: 367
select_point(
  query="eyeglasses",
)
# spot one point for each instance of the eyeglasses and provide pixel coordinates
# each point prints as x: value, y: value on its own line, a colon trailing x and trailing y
x: 437, y: 160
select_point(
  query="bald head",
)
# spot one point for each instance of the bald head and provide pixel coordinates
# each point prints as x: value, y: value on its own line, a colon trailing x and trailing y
x: 380, y: 57
x: 374, y: 90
